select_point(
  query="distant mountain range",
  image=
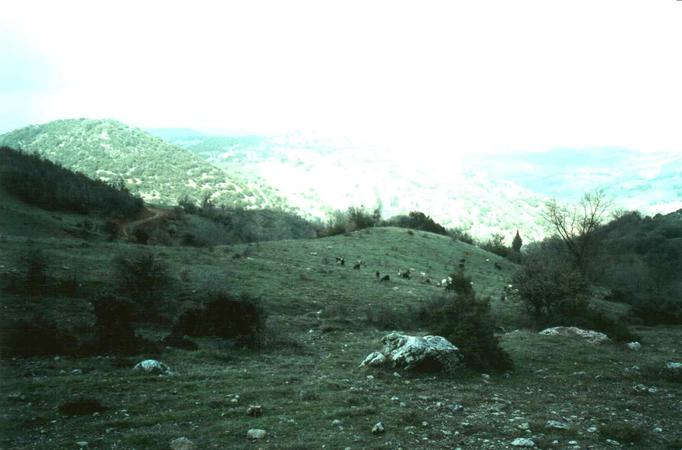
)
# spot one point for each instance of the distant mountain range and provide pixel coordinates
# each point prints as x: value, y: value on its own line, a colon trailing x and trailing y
x: 647, y: 182
x: 483, y: 195
x: 319, y: 177
x: 159, y: 171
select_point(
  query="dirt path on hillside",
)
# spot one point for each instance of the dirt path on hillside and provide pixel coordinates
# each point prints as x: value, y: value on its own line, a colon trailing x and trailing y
x: 127, y: 228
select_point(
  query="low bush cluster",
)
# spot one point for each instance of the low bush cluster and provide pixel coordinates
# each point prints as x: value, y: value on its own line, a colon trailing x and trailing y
x: 465, y: 320
x: 35, y: 338
x: 224, y: 316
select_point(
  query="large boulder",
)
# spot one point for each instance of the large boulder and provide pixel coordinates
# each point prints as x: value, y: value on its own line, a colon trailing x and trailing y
x: 427, y: 353
x: 593, y: 337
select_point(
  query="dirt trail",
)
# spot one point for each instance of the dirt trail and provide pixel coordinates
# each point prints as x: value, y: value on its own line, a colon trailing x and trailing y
x: 156, y: 214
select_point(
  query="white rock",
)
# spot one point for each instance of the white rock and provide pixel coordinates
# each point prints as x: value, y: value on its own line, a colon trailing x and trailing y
x: 593, y: 337
x: 523, y: 442
x: 411, y: 352
x: 557, y: 425
x: 182, y: 443
x: 255, y: 433
x: 153, y: 366
x: 634, y: 345
x: 674, y: 367
x: 378, y: 428
x: 374, y: 359
x: 336, y: 423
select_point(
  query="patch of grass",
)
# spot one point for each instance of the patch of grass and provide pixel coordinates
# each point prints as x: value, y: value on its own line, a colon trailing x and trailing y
x: 625, y: 433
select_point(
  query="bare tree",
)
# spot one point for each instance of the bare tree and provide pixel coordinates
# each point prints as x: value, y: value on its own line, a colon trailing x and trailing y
x: 576, y: 225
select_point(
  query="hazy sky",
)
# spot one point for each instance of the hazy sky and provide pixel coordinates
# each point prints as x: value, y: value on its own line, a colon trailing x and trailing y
x: 457, y: 76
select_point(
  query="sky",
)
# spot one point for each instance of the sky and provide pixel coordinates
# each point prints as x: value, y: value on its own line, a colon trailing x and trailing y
x: 457, y: 77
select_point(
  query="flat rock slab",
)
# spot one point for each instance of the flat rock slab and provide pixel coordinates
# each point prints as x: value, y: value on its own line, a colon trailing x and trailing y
x: 593, y: 337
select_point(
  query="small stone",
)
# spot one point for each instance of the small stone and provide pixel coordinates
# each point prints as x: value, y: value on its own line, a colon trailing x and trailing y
x: 82, y: 444
x: 403, y: 405
x: 370, y: 377
x: 336, y: 423
x: 378, y: 428
x: 485, y: 377
x: 254, y: 410
x: 643, y: 389
x: 455, y: 407
x: 658, y: 430
x: 255, y: 434
x: 395, y: 399
x: 523, y: 442
x: 612, y: 442
x: 523, y: 426
x: 76, y: 372
x: 572, y: 442
x: 557, y: 425
x: 635, y: 346
x: 182, y: 443
x: 592, y: 429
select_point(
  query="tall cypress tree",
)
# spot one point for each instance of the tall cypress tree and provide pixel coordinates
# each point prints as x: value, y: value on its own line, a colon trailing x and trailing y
x: 517, y: 242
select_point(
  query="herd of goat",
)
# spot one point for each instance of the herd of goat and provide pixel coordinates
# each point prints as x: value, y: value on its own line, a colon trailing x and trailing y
x: 407, y: 274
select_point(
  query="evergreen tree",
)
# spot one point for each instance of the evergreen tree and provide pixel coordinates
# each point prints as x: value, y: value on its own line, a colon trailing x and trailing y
x: 517, y: 242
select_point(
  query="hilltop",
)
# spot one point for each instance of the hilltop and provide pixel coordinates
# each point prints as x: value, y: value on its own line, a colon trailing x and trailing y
x: 151, y: 167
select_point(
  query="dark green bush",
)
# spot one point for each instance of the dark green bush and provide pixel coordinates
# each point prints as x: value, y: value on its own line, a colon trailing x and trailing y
x: 81, y: 407
x: 114, y: 333
x: 549, y: 286
x: 460, y: 235
x: 465, y: 320
x: 658, y: 309
x: 224, y: 316
x: 417, y: 220
x: 142, y: 277
x: 615, y: 329
x: 35, y: 338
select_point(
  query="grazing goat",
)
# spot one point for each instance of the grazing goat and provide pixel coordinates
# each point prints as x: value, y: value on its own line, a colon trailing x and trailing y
x: 340, y: 260
x: 405, y: 274
x: 357, y: 265
x: 498, y: 266
x: 385, y: 278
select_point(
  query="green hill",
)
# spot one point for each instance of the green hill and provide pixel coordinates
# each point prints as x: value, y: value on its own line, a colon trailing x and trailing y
x: 158, y: 171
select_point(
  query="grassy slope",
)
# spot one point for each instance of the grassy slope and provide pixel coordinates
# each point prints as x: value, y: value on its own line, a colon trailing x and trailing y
x: 308, y: 375
x: 158, y: 171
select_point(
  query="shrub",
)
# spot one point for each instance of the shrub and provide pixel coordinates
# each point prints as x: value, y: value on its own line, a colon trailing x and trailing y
x: 496, y: 245
x: 419, y: 221
x: 223, y: 316
x: 81, y: 407
x: 549, y: 286
x: 615, y: 329
x: 465, y: 320
x: 142, y: 277
x: 114, y: 332
x: 35, y: 338
x: 658, y: 309
x: 459, y: 234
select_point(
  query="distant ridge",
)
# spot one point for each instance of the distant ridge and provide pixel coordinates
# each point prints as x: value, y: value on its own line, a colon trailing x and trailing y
x: 159, y: 171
